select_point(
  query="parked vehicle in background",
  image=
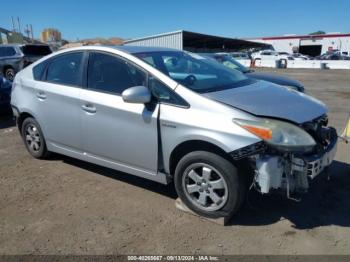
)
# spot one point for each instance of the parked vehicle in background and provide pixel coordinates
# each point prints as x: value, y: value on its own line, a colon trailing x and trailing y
x: 333, y: 56
x: 5, y: 95
x: 271, y: 55
x: 15, y: 57
x: 298, y: 56
x: 166, y: 114
x: 229, y: 62
x: 240, y: 55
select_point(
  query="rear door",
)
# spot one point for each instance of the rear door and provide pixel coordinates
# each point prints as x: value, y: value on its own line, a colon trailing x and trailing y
x: 58, y: 102
x: 115, y: 133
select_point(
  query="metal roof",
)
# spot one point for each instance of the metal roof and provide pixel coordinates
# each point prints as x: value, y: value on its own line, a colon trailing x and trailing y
x: 193, y: 41
x: 153, y: 36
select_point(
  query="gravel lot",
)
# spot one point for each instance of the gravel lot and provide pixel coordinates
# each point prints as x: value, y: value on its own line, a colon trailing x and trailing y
x: 65, y: 206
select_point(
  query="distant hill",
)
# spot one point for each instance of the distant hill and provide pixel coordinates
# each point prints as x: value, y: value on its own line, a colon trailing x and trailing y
x: 94, y: 41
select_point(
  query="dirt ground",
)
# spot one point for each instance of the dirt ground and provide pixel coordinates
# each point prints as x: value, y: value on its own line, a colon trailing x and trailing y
x: 65, y: 206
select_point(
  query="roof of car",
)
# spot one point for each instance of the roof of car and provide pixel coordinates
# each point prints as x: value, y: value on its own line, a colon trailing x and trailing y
x: 126, y: 49
x: 142, y: 49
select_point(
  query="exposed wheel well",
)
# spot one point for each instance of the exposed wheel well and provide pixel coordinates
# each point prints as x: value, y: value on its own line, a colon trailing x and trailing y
x: 190, y: 146
x: 21, y: 118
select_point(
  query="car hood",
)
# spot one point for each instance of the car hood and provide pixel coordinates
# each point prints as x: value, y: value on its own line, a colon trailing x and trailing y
x: 269, y: 100
x: 277, y: 79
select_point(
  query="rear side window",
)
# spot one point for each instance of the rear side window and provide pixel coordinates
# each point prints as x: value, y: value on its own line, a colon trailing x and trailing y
x: 66, y: 69
x: 7, y: 51
x: 38, y: 71
x: 107, y: 73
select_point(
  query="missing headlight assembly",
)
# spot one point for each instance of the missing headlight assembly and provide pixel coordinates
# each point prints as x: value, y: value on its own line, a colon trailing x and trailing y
x: 291, y: 172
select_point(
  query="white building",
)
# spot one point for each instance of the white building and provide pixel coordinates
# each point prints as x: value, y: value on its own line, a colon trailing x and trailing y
x: 308, y: 44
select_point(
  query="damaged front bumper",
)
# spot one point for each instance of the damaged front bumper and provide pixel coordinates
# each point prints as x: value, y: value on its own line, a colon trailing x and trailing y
x: 291, y: 173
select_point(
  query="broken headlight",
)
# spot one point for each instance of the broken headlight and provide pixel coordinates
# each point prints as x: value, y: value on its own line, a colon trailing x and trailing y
x: 281, y: 135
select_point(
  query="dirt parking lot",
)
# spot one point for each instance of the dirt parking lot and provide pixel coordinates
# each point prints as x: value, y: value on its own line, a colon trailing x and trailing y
x: 65, y: 206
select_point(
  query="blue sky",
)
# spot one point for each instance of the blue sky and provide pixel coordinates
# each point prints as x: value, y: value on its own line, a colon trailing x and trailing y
x: 133, y: 18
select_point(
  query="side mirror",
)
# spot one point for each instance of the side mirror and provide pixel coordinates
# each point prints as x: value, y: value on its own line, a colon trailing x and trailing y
x: 137, y: 95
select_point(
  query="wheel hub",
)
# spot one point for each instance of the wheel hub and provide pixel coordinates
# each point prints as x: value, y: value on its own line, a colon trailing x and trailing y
x: 205, y: 186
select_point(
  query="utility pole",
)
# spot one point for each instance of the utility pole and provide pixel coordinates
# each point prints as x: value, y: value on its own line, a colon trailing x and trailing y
x: 31, y: 31
x: 19, y: 25
x: 27, y: 31
x: 13, y: 24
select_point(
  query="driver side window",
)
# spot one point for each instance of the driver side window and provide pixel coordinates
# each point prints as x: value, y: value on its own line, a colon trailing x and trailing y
x: 111, y: 74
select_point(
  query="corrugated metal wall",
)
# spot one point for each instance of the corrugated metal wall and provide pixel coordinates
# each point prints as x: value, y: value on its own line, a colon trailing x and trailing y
x: 171, y: 40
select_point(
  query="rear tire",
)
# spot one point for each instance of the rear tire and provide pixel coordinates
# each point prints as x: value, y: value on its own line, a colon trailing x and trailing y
x: 209, y: 184
x: 34, y: 139
x: 10, y: 74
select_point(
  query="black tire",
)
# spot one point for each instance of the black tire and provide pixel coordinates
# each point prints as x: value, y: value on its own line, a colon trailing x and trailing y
x: 10, y: 74
x: 35, y: 136
x: 234, y: 183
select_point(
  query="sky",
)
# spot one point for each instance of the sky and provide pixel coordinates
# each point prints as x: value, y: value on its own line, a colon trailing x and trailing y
x: 79, y: 19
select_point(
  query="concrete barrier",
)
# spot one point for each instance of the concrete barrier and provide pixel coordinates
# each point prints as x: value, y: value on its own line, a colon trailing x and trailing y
x: 338, y: 64
x: 313, y: 64
x: 265, y: 63
x: 316, y: 64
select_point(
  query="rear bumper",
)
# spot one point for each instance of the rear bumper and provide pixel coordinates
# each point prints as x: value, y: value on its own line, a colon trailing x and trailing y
x: 15, y: 111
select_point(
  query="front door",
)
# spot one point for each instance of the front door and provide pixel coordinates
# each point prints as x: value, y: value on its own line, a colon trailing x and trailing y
x: 115, y: 133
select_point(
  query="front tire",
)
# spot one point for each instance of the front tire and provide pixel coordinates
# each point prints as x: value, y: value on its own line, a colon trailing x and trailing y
x: 209, y: 184
x: 34, y: 139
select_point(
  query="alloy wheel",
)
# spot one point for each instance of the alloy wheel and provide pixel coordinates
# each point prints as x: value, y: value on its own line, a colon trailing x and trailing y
x: 32, y: 138
x: 205, y: 187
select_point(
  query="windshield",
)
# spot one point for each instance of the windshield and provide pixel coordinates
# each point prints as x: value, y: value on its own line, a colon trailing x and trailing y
x: 36, y: 50
x: 231, y: 63
x: 194, y: 71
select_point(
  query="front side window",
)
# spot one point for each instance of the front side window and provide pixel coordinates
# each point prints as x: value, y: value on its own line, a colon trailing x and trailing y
x: 163, y: 94
x: 194, y: 71
x: 66, y: 69
x: 108, y: 73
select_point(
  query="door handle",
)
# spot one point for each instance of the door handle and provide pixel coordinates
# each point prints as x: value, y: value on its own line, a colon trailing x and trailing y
x: 41, y: 95
x: 89, y: 108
